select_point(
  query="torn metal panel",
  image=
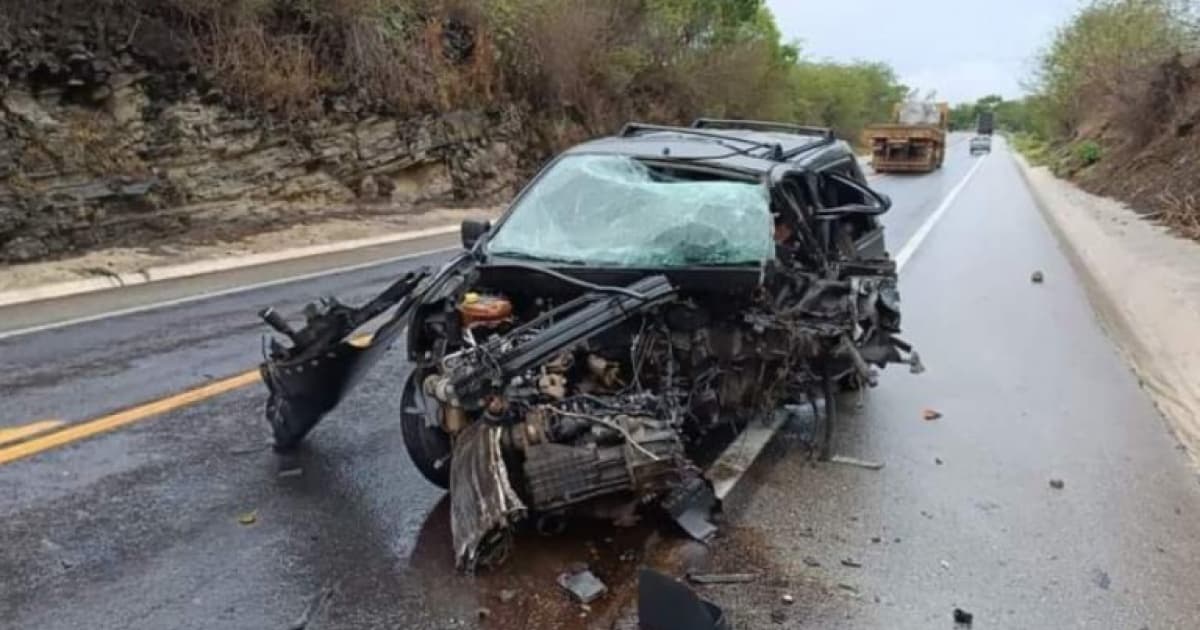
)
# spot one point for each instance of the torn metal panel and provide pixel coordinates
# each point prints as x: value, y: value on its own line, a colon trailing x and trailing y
x: 483, y: 503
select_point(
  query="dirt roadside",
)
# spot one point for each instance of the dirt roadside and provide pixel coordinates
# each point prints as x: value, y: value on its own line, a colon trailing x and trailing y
x: 1144, y: 282
x: 113, y: 261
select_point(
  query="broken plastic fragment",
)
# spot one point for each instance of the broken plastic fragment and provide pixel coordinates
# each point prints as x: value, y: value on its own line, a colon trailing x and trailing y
x: 665, y: 604
x: 691, y: 506
x: 582, y: 585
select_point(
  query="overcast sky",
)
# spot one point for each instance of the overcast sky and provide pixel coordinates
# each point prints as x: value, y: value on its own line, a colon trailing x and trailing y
x: 964, y: 49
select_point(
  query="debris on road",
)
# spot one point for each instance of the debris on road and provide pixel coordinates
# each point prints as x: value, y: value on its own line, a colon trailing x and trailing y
x: 854, y: 461
x: 506, y: 595
x: 314, y: 608
x: 248, y: 518
x: 691, y: 506
x: 1037, y: 277
x: 721, y: 578
x: 778, y: 616
x: 483, y: 613
x: 811, y: 561
x: 876, y: 540
x: 666, y: 604
x: 1057, y: 484
x: 962, y: 617
x: 582, y: 584
x: 1101, y: 579
x: 848, y: 587
x: 787, y: 599
x: 288, y: 473
x: 931, y: 414
x: 938, y: 461
x: 945, y: 564
x: 852, y: 563
x: 246, y: 450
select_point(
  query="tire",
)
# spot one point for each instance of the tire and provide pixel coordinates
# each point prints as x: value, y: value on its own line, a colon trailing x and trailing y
x: 428, y: 447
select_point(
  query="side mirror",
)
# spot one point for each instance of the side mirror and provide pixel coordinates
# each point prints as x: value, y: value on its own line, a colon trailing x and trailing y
x: 472, y: 230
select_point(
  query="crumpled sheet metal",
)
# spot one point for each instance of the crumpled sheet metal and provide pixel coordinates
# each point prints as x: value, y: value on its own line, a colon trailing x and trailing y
x: 483, y: 504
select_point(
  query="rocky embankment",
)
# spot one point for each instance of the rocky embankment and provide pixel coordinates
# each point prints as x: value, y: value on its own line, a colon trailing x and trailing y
x: 108, y: 138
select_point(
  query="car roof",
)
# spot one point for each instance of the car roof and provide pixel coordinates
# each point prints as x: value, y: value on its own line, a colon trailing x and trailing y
x: 720, y: 147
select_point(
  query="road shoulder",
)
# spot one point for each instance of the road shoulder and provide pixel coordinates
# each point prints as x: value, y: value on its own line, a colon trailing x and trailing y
x: 124, y: 267
x: 1145, y: 284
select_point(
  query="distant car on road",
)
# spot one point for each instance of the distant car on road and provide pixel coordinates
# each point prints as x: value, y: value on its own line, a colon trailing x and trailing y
x: 981, y: 144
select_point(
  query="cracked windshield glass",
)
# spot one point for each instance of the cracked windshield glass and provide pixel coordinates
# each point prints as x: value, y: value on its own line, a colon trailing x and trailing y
x: 619, y: 211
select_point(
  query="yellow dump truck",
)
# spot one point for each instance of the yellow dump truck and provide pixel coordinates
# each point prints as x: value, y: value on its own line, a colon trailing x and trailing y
x: 915, y: 140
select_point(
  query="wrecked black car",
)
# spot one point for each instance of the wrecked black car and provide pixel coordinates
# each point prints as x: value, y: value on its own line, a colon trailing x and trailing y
x: 645, y: 295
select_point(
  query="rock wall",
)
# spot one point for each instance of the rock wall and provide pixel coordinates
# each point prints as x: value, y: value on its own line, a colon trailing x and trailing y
x: 104, y: 140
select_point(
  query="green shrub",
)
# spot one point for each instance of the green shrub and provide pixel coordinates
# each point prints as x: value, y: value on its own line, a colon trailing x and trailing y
x: 1088, y: 152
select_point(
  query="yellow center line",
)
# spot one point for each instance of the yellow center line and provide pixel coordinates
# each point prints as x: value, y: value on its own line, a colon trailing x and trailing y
x: 103, y: 424
x: 16, y: 434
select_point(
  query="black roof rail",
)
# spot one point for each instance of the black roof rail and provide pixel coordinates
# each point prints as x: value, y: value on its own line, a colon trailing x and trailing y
x: 761, y: 125
x: 634, y: 128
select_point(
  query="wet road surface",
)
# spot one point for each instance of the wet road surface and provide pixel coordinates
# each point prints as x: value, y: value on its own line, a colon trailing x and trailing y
x: 183, y: 520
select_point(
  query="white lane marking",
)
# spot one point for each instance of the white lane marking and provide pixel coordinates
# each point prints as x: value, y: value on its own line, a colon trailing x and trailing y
x: 215, y: 294
x: 922, y: 232
x: 741, y: 454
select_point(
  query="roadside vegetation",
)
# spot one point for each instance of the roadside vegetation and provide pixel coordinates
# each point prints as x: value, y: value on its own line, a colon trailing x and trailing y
x: 580, y: 67
x: 1114, y: 104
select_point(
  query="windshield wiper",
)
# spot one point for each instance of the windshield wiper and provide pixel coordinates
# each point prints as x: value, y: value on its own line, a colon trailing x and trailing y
x: 524, y: 256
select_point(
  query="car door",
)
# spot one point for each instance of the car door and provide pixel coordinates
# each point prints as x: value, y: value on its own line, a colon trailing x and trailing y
x: 857, y: 235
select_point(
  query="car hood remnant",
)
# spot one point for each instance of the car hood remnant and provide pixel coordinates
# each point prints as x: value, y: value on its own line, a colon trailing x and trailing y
x: 550, y: 382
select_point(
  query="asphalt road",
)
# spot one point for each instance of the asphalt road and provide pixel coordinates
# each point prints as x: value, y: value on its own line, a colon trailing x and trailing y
x: 179, y: 518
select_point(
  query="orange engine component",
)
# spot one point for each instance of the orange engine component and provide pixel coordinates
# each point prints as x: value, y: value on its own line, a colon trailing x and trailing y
x: 484, y: 310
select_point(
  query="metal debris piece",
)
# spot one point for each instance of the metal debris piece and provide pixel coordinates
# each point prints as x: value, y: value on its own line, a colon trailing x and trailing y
x: 876, y: 539
x: 1057, y: 484
x: 962, y: 617
x: 507, y: 595
x: 691, y: 506
x: 854, y: 461
x: 931, y: 414
x: 483, y: 613
x: 290, y: 472
x: 1037, y: 277
x: 938, y: 461
x: 666, y: 604
x: 721, y: 578
x: 582, y: 584
x: 248, y: 518
x: 246, y: 450
x: 945, y: 564
x: 852, y: 563
x: 788, y: 599
x: 848, y: 587
x: 811, y: 561
x: 484, y: 504
x: 313, y: 609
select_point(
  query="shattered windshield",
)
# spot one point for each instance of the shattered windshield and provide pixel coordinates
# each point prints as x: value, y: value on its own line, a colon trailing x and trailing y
x: 618, y: 211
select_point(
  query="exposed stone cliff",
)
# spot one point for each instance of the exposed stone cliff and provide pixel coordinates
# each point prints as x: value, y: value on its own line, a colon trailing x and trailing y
x: 106, y: 138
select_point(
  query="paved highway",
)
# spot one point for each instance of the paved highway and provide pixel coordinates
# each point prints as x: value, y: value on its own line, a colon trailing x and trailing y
x: 159, y: 505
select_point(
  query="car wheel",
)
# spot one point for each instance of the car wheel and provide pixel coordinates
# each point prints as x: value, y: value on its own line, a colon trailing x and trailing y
x: 428, y: 447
